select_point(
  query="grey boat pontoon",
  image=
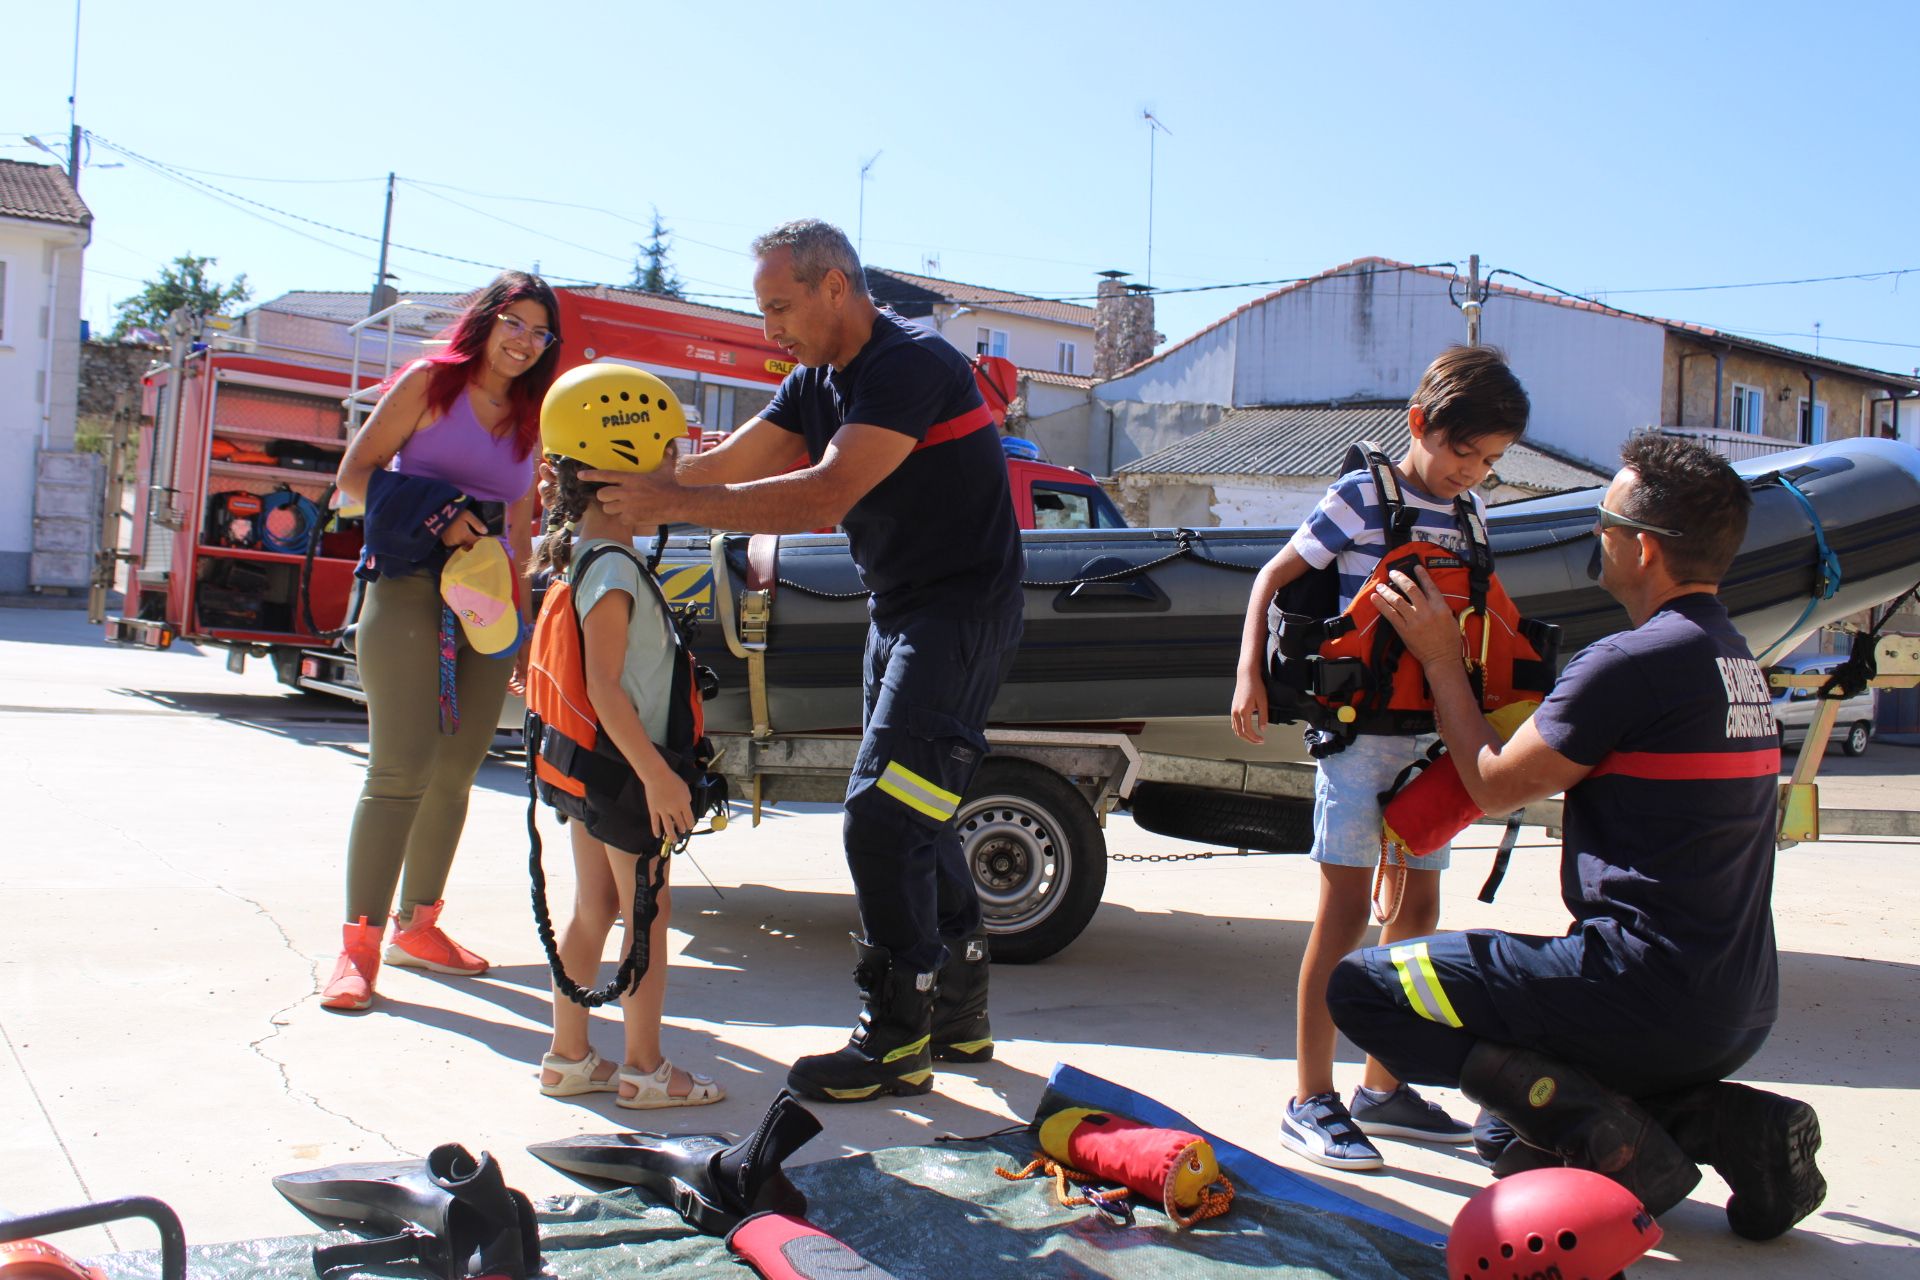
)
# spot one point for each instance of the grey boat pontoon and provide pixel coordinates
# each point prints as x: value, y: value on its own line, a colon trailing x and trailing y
x: 1138, y: 626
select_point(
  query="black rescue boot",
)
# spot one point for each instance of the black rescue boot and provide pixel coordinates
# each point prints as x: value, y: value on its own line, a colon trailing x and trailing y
x: 888, y: 1051
x: 961, y: 1032
x: 1761, y: 1143
x: 1563, y: 1110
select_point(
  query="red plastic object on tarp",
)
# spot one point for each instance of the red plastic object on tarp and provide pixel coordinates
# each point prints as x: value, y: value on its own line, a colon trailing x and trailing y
x: 781, y: 1246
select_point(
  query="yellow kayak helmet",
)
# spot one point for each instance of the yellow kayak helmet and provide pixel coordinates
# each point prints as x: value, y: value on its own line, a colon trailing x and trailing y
x: 612, y: 417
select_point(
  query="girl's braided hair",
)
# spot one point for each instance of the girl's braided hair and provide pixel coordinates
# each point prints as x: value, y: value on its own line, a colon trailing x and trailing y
x: 554, y: 552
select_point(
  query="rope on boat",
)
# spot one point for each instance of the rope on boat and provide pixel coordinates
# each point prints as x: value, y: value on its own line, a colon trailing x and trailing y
x: 1187, y: 545
x: 1826, y: 566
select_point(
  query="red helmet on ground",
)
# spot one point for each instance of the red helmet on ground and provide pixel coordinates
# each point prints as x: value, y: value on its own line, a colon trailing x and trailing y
x: 1584, y: 1223
x: 38, y: 1260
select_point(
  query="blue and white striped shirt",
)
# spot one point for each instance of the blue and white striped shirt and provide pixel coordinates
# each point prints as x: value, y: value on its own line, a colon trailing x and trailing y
x: 1349, y: 527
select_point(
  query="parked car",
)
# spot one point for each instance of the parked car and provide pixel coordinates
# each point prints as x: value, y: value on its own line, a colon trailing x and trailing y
x: 1794, y: 709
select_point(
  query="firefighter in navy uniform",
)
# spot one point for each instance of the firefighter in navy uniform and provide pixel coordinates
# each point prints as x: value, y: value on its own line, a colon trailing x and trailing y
x: 1608, y: 1048
x: 900, y: 451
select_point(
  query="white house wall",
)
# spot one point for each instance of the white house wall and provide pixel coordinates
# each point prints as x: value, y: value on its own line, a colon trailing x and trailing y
x: 1593, y: 378
x: 1031, y: 343
x: 1261, y: 503
x: 1059, y: 420
x: 38, y: 386
x: 1200, y: 372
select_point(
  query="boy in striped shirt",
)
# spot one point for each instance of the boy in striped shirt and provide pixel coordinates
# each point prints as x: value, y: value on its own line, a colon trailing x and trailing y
x: 1467, y: 411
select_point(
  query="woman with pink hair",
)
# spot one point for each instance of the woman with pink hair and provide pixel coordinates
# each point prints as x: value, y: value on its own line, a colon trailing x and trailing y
x: 463, y: 422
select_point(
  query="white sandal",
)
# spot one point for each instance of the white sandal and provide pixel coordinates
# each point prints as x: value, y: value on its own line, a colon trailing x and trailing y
x: 652, y: 1088
x: 576, y: 1077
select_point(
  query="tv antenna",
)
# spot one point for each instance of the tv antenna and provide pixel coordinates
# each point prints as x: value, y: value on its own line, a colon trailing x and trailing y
x: 1154, y: 128
x: 860, y: 241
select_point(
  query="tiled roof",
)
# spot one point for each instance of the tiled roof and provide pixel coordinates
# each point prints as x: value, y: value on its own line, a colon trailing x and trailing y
x: 1049, y: 378
x: 918, y: 287
x: 1371, y: 264
x: 1311, y: 440
x: 40, y: 192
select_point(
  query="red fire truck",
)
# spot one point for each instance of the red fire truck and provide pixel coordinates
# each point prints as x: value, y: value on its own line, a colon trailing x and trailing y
x: 233, y: 544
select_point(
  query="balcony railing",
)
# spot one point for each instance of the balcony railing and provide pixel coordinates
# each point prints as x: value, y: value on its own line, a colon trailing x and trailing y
x: 1734, y: 446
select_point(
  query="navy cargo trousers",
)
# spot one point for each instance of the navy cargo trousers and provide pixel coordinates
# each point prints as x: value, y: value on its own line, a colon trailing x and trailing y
x: 928, y: 684
x: 1418, y: 1006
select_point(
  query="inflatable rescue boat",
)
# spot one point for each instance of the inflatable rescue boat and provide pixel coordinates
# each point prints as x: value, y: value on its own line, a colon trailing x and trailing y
x: 1133, y: 626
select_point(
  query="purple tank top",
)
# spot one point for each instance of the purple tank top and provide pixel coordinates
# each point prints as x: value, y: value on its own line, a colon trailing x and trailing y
x: 461, y: 452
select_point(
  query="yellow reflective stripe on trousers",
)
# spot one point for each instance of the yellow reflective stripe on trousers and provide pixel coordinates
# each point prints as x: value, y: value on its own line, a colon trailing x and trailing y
x: 1422, y: 984
x: 914, y: 791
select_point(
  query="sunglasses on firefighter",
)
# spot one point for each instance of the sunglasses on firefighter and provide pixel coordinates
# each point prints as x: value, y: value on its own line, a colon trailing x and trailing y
x: 1606, y: 519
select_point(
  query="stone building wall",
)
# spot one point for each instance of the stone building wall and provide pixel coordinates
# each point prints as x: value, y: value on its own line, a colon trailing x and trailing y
x: 1686, y: 397
x: 109, y: 368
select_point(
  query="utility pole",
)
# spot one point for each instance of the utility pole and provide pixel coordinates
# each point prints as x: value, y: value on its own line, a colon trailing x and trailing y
x: 1153, y: 127
x: 383, y: 293
x: 73, y: 118
x: 860, y: 235
x: 1472, y: 304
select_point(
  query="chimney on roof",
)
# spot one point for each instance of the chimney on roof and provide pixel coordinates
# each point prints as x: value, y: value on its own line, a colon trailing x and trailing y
x: 1123, y: 333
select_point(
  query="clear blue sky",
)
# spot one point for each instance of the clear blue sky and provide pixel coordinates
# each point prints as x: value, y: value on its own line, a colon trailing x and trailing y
x: 1616, y: 147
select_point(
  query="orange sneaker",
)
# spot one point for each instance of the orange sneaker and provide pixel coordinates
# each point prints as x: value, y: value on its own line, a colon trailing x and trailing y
x: 421, y: 945
x: 351, y: 987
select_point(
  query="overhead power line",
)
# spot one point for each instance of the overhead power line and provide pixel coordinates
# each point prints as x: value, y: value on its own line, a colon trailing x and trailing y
x: 1739, y: 333
x: 1895, y: 272
x: 181, y: 175
x: 567, y: 204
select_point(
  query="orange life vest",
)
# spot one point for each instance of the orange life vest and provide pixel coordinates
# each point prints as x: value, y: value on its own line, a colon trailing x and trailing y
x: 574, y: 766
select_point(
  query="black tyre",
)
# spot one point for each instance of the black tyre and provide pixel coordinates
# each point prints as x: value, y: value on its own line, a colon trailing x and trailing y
x: 1855, y: 743
x: 1272, y: 824
x: 1038, y: 858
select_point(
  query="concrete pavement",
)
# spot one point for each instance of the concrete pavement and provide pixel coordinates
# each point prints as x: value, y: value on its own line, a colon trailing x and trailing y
x: 173, y: 881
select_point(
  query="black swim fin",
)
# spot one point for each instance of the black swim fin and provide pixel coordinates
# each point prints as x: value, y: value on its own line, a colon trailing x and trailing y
x: 451, y: 1213
x: 708, y: 1179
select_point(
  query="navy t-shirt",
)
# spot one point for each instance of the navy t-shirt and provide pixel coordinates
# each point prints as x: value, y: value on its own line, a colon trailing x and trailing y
x: 937, y: 536
x: 1667, y: 857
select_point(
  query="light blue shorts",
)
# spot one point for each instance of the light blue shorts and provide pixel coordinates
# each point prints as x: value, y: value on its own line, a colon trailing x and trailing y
x: 1346, y: 800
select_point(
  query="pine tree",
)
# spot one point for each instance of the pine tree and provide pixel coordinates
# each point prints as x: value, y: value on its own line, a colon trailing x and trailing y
x: 651, y: 270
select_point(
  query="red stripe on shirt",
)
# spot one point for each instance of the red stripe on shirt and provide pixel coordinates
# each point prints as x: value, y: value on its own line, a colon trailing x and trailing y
x: 1689, y: 765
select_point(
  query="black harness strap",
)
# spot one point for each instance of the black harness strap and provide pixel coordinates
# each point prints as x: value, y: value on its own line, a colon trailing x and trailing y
x: 1501, y: 857
x: 598, y: 773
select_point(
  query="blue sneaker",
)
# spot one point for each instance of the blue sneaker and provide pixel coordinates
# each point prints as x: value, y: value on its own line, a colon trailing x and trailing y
x: 1405, y: 1114
x: 1320, y: 1129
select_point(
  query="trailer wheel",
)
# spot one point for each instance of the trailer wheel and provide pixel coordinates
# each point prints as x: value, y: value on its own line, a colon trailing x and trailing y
x: 1037, y: 857
x: 1272, y: 824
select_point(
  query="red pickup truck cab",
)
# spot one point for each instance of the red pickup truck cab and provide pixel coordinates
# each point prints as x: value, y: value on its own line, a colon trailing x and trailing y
x: 1048, y: 496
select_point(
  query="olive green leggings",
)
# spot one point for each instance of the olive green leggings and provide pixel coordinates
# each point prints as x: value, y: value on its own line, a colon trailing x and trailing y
x: 414, y: 802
